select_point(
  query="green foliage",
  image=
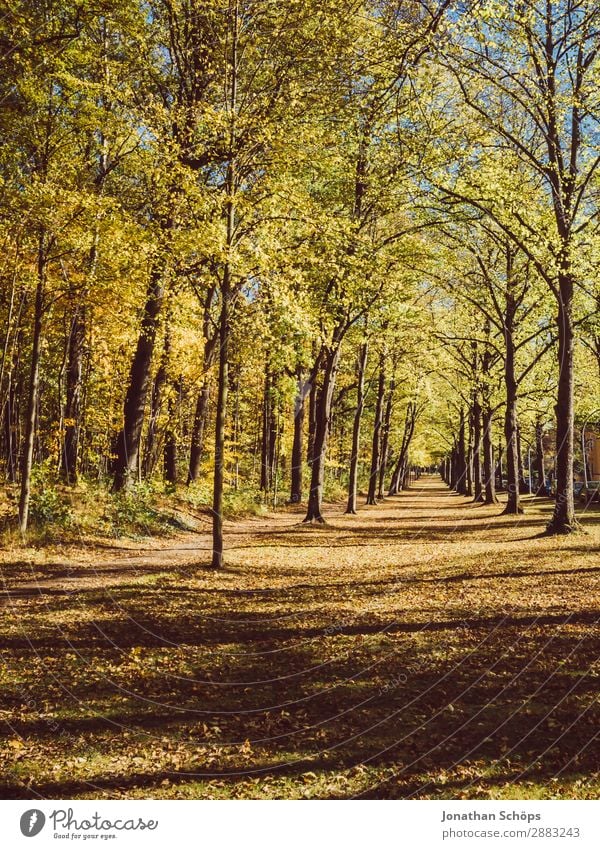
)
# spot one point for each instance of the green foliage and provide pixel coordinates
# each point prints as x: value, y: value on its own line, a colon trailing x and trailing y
x: 134, y: 513
x: 51, y: 509
x: 237, y: 503
x: 373, y: 172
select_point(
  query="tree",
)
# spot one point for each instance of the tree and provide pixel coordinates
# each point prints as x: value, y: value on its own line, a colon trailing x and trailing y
x: 527, y: 74
x: 361, y: 367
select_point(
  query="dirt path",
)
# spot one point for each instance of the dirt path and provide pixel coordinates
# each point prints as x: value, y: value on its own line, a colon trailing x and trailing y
x: 425, y: 647
x: 427, y: 513
x: 112, y: 565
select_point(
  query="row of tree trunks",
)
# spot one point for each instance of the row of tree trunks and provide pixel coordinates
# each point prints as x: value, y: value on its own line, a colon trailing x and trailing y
x: 129, y: 437
x: 170, y: 472
x: 34, y: 382
x: 12, y: 382
x: 489, y: 470
x: 269, y: 433
x: 539, y: 459
x: 470, y: 454
x: 76, y: 344
x: 476, y: 418
x: 377, y: 427
x: 487, y: 420
x: 380, y: 447
x: 452, y: 476
x: 198, y: 429
x: 152, y: 447
x: 385, y: 439
x: 76, y: 355
x: 74, y: 389
x: 461, y: 457
x: 360, y: 404
x: 211, y: 339
x: 399, y: 474
x: 471, y: 471
x: 302, y: 388
x: 323, y: 409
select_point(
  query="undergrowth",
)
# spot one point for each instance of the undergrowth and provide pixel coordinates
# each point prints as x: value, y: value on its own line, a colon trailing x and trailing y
x: 62, y: 514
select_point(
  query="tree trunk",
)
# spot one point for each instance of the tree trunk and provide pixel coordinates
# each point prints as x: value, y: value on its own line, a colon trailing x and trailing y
x: 152, y: 438
x: 539, y: 459
x: 151, y: 451
x: 219, y: 470
x: 394, y: 487
x: 385, y: 440
x: 563, y: 520
x: 312, y: 417
x: 170, y: 449
x: 520, y: 458
x: 202, y: 401
x: 226, y: 294
x: 461, y: 485
x: 489, y: 472
x: 376, y: 447
x: 198, y: 428
x: 489, y: 479
x: 453, y: 467
x: 273, y: 435
x: 297, y: 449
x: 11, y: 366
x: 399, y: 469
x: 322, y: 422
x: 500, y: 467
x: 235, y: 388
x: 267, y: 429
x: 360, y: 405
x: 76, y: 357
x: 129, y: 438
x: 9, y: 430
x: 72, y: 414
x: 513, y: 504
x: 34, y: 388
x: 471, y: 456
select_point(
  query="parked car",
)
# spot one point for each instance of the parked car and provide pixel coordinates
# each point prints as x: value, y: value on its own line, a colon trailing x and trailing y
x: 590, y: 492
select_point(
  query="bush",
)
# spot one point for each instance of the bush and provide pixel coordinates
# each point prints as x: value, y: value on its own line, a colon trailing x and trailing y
x: 134, y: 512
x: 49, y: 505
x: 245, y: 501
x: 334, y: 490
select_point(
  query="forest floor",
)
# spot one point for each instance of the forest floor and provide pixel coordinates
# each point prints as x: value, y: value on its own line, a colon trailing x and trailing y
x: 425, y: 648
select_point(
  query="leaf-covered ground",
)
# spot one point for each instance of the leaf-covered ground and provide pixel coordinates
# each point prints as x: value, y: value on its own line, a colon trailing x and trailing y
x: 426, y: 648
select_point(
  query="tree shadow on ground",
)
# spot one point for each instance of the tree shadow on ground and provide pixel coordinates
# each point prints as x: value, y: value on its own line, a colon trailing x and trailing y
x: 506, y: 694
x: 434, y: 679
